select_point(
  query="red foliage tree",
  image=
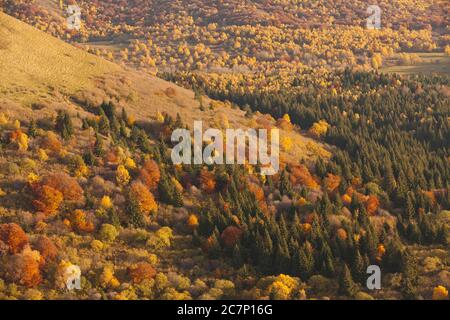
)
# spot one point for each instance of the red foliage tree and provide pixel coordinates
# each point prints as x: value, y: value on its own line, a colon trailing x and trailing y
x: 47, y: 249
x: 372, y: 205
x: 231, y: 235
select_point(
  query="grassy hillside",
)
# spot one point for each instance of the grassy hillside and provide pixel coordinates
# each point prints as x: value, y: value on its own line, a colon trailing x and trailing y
x: 37, y: 63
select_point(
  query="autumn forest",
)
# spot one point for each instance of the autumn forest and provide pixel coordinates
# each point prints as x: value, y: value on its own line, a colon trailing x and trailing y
x: 92, y: 205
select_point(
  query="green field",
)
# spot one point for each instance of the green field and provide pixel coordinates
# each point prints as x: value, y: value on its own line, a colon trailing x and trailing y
x: 430, y: 63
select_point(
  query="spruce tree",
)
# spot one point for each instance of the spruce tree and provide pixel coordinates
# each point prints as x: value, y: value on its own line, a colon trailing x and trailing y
x: 326, y: 258
x: 409, y: 275
x: 392, y: 259
x: 168, y: 192
x: 410, y: 210
x: 124, y: 116
x: 103, y: 124
x: 214, y: 248
x: 306, y: 262
x: 32, y: 128
x: 285, y: 185
x: 64, y: 124
x: 136, y: 217
x: 89, y: 158
x: 114, y: 217
x: 441, y: 236
x: 98, y: 147
x: 358, y: 267
x: 346, y: 285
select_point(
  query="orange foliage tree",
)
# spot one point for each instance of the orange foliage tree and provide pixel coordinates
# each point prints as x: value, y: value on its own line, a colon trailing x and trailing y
x: 47, y: 199
x: 150, y: 174
x: 51, y: 143
x: 192, y: 222
x: 285, y: 123
x: 141, y: 271
x: 431, y: 196
x: 79, y: 221
x: 381, y: 250
x: 372, y: 204
x: 20, y: 138
x: 332, y: 182
x: 319, y: 129
x: 143, y: 197
x: 13, y: 237
x: 23, y: 268
x: 342, y: 234
x: 207, y: 181
x: 257, y: 191
x: 301, y: 175
x: 440, y: 293
x: 66, y: 184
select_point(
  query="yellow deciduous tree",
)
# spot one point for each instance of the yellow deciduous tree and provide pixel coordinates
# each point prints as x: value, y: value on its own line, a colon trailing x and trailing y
x: 192, y: 221
x: 319, y: 129
x: 47, y: 199
x: 440, y: 293
x: 107, y: 278
x: 286, y: 143
x: 106, y: 202
x: 122, y: 176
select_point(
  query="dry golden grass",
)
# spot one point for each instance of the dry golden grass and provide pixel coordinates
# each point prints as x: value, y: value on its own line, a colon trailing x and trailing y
x: 32, y: 63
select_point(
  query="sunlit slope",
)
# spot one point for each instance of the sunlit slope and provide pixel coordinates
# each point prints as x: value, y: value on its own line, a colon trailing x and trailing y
x: 31, y: 59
